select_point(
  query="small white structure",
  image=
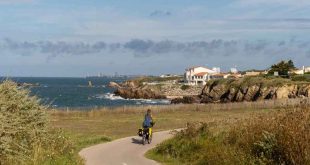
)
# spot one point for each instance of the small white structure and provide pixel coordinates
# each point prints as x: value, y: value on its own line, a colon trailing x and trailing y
x: 307, y: 69
x: 168, y: 75
x: 301, y: 71
x: 199, y: 75
x: 234, y: 70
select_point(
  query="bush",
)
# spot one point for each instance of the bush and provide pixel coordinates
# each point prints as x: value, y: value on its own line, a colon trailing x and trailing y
x: 185, y: 87
x: 25, y: 135
x: 197, y: 145
x: 300, y: 78
x: 279, y: 138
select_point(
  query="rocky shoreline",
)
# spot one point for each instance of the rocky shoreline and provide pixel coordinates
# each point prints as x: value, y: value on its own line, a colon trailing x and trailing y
x: 216, y: 91
x: 248, y: 89
x: 134, y: 90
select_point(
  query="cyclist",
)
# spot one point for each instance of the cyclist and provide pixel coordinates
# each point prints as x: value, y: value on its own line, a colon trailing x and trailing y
x: 148, y: 121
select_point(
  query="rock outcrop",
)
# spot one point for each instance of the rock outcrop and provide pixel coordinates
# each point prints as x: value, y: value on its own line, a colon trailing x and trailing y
x: 186, y: 100
x: 138, y: 93
x: 114, y: 85
x: 248, y: 89
x: 133, y: 90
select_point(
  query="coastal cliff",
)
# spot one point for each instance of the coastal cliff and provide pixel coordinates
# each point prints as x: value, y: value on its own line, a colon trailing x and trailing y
x: 134, y: 90
x: 248, y: 89
x: 143, y: 88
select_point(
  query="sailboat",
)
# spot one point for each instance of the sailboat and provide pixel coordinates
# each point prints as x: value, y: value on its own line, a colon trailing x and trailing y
x: 90, y: 84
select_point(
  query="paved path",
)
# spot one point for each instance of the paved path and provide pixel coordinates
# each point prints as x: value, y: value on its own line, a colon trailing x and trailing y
x: 126, y: 151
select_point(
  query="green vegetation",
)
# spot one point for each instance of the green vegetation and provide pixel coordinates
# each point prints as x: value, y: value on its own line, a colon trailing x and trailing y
x: 111, y: 124
x: 250, y: 81
x: 148, y: 79
x: 197, y: 145
x: 26, y: 137
x: 305, y: 77
x: 32, y: 134
x: 278, y: 137
x: 283, y: 67
x: 185, y: 87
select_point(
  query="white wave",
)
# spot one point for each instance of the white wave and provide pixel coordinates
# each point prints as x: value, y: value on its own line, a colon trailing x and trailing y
x: 112, y: 96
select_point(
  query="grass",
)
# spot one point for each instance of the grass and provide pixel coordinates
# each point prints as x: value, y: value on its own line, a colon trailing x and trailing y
x: 124, y: 121
x: 99, y: 126
x: 155, y: 79
x: 197, y: 145
x: 86, y: 128
x: 278, y: 137
x: 118, y: 125
x: 25, y: 134
x: 305, y: 77
x: 57, y: 137
x: 259, y: 81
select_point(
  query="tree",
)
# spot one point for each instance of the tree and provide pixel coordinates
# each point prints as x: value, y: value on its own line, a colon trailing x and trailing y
x: 283, y: 67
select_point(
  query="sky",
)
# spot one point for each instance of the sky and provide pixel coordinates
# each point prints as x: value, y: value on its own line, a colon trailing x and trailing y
x: 75, y: 38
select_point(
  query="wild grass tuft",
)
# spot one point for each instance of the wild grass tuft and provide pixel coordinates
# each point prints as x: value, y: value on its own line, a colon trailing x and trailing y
x: 25, y: 135
x: 283, y: 137
x: 278, y: 137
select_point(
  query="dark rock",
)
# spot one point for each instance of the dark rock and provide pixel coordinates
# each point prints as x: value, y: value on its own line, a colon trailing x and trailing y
x: 186, y: 100
x: 136, y: 93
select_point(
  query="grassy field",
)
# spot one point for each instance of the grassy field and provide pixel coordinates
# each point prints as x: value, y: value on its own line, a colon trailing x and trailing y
x: 278, y: 137
x: 100, y: 125
x: 38, y: 135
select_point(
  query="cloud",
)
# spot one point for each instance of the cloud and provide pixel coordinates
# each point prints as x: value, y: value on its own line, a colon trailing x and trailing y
x: 148, y: 48
x: 15, y: 1
x: 160, y: 13
x: 275, y: 2
x: 139, y: 56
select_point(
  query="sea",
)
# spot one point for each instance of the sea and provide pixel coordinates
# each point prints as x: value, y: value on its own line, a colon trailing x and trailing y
x: 70, y: 93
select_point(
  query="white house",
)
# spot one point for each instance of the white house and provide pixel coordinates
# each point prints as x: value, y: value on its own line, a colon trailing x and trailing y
x: 307, y: 69
x: 199, y: 75
x: 301, y: 71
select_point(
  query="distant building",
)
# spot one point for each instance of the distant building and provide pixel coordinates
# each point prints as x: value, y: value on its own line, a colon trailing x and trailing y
x: 234, y: 76
x: 276, y: 74
x: 199, y: 75
x: 233, y: 70
x: 252, y: 73
x: 168, y: 75
x: 256, y: 73
x: 307, y: 69
x: 220, y: 76
x: 301, y: 71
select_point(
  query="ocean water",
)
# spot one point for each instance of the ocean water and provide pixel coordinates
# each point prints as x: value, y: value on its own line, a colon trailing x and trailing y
x: 75, y: 93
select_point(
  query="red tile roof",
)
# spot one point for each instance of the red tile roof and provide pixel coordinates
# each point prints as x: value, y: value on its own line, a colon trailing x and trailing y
x: 201, y: 74
x: 219, y: 74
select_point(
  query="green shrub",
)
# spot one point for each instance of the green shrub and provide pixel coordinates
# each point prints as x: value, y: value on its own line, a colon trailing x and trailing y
x: 197, y: 145
x: 279, y: 138
x: 301, y: 78
x: 185, y: 87
x: 25, y: 136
